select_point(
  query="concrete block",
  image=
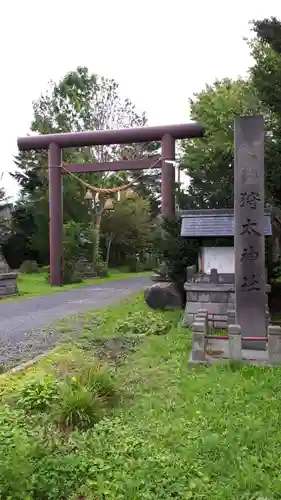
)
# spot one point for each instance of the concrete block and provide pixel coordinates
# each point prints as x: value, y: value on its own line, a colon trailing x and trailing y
x: 205, y: 279
x: 212, y: 308
x: 274, y: 345
x: 191, y: 296
x: 218, y: 308
x: 219, y: 297
x: 220, y: 325
x: 231, y: 317
x: 198, y: 342
x: 234, y: 342
x: 193, y: 307
x: 220, y: 321
x: 227, y: 278
x: 8, y: 284
x: 214, y: 277
x: 203, y: 297
x: 202, y: 317
x: 267, y: 318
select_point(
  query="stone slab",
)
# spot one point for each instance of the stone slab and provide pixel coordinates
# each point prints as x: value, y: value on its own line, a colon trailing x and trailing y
x: 217, y: 352
x: 8, y: 284
x: 274, y: 344
x: 209, y: 287
x: 8, y: 276
x: 203, y: 297
x: 249, y: 241
x: 212, y: 307
x: 219, y: 296
x: 191, y: 296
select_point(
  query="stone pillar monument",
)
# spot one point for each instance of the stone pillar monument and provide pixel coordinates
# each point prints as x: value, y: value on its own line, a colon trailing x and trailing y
x: 249, y: 228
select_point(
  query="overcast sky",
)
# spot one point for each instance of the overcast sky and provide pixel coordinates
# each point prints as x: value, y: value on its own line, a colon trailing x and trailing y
x: 159, y: 51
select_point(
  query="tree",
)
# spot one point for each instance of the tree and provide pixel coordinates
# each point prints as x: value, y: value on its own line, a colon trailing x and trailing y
x: 80, y: 101
x: 5, y: 226
x: 128, y: 226
x: 210, y: 161
x: 175, y: 251
x: 266, y: 78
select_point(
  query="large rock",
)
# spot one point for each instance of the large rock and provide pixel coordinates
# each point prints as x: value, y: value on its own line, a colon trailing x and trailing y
x: 163, y: 296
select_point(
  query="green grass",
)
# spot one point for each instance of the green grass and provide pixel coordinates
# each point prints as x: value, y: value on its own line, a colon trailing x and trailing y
x: 35, y: 284
x: 181, y: 433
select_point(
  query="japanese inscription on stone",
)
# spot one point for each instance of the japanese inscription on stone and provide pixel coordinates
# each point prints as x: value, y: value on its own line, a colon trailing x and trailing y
x: 251, y: 198
x: 249, y: 225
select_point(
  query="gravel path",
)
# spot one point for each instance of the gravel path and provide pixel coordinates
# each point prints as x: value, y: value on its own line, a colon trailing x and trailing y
x: 21, y: 334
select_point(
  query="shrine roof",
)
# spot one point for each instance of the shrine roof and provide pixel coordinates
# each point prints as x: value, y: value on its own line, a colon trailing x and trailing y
x: 214, y: 223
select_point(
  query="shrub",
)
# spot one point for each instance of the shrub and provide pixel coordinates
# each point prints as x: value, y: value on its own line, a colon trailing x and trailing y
x: 44, y: 269
x: 29, y: 267
x: 34, y: 464
x: 175, y: 251
x: 149, y: 264
x: 98, y: 380
x: 138, y: 323
x: 133, y: 264
x: 71, y: 274
x: 101, y: 269
x: 73, y: 242
x: 38, y: 395
x: 15, y: 453
x: 78, y: 407
x: 58, y: 475
x: 274, y: 271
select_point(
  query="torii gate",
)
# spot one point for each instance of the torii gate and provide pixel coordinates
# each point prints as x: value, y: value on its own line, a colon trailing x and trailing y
x: 54, y: 143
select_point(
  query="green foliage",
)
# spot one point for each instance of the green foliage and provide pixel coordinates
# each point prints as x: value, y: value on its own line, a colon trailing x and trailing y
x: 38, y: 395
x: 101, y: 269
x: 169, y: 440
x: 73, y: 240
x: 15, y: 450
x: 74, y: 246
x: 78, y: 400
x: 149, y: 263
x: 70, y: 274
x: 269, y: 30
x: 266, y: 76
x: 97, y: 379
x: 138, y: 324
x: 133, y: 263
x: 210, y: 161
x: 78, y: 407
x: 57, y: 476
x: 175, y: 251
x: 128, y: 228
x: 273, y: 270
x: 29, y: 267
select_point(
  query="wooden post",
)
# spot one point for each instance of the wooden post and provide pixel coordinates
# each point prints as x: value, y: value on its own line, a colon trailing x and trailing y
x: 55, y: 216
x: 168, y: 177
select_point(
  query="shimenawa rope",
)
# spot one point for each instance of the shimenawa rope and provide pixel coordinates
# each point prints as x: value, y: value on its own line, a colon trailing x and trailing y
x: 95, y: 189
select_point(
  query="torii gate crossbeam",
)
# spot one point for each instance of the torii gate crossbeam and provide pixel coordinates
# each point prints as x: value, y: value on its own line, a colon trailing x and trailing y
x: 54, y: 143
